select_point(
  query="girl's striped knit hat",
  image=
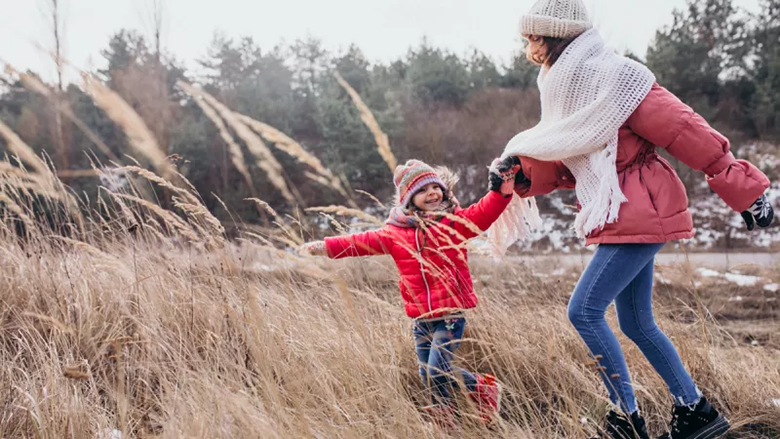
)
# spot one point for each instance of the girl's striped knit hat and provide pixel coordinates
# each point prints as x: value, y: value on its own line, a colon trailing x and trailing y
x: 412, y: 176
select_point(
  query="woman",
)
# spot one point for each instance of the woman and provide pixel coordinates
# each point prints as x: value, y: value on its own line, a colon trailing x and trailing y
x: 603, y: 116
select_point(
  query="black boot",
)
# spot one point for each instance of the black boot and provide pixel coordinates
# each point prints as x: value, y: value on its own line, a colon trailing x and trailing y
x: 699, y: 422
x: 619, y: 426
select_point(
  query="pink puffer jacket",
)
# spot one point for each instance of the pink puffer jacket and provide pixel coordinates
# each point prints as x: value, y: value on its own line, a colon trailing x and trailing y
x: 657, y: 207
x: 434, y: 269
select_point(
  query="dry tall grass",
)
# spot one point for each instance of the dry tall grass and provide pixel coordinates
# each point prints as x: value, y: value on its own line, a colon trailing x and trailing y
x: 265, y: 159
x: 242, y: 125
x: 140, y: 137
x: 294, y: 149
x: 382, y: 141
x: 143, y: 330
x: 236, y: 155
x: 34, y: 84
x: 17, y: 146
x: 146, y: 320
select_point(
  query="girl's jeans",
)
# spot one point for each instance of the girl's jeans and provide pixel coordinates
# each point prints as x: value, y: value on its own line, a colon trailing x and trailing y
x: 435, y: 342
x: 624, y: 273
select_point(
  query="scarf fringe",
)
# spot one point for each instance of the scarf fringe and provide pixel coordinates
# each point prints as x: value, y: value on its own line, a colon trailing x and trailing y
x: 517, y: 221
x: 604, y: 208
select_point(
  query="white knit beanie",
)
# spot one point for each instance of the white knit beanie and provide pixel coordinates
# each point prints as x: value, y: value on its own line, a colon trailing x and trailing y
x: 556, y: 18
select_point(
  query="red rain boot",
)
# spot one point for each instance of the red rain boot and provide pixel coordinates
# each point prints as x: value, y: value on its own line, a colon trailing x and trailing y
x: 487, y: 397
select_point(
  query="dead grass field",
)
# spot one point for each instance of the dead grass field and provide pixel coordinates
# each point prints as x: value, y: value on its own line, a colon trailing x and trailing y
x: 120, y: 315
x: 157, y: 340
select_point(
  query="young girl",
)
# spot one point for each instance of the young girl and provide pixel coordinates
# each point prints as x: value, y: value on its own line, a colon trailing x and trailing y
x: 603, y: 116
x: 425, y: 235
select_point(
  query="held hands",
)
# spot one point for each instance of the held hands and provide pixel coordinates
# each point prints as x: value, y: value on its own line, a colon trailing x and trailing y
x: 314, y: 248
x: 502, y: 175
x: 760, y: 213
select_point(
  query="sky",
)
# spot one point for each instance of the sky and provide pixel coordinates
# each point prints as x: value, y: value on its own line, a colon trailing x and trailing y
x: 383, y: 29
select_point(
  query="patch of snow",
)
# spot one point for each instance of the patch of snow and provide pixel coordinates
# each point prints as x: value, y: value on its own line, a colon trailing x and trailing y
x: 556, y: 239
x: 736, y: 299
x: 772, y: 287
x: 559, y: 205
x: 742, y: 279
x: 662, y: 280
x: 776, y: 402
x: 706, y: 272
x: 754, y: 343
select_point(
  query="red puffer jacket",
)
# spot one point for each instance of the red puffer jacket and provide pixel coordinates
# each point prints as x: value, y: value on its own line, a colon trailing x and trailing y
x: 435, y: 277
x: 657, y: 207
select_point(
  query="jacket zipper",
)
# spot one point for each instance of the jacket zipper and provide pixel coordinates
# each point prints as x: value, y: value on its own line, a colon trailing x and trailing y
x: 422, y: 269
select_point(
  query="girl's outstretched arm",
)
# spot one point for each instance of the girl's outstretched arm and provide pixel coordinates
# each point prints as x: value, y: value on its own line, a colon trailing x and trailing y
x: 501, y: 179
x: 370, y: 243
x: 480, y: 215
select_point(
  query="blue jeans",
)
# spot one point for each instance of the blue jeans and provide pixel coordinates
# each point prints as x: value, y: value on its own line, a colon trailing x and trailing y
x: 435, y: 342
x: 624, y: 273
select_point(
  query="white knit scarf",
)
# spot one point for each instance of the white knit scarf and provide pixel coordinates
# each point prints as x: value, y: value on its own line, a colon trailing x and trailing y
x: 586, y: 97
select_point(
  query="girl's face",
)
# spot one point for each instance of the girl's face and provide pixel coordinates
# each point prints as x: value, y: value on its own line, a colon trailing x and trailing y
x: 535, y: 49
x: 429, y: 198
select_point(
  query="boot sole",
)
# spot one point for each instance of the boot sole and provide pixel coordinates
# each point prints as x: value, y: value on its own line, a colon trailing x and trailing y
x: 713, y: 430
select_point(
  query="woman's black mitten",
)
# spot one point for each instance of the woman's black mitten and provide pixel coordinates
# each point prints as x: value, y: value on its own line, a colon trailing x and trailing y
x: 760, y: 213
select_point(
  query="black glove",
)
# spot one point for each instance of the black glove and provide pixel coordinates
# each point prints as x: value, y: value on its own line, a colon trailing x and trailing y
x: 503, y: 174
x: 495, y: 181
x: 508, y: 164
x: 760, y: 213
